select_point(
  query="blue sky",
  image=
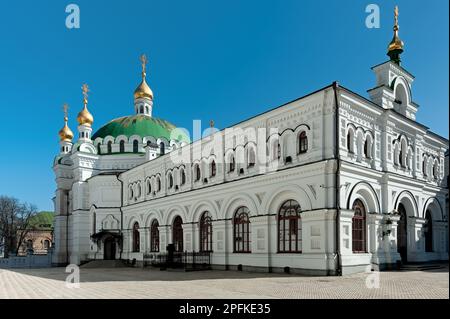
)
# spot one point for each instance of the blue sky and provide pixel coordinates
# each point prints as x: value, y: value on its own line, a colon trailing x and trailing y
x: 225, y: 60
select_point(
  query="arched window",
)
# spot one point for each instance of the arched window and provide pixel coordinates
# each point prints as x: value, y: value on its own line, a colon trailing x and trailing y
x: 206, y: 232
x: 177, y: 233
x: 162, y: 148
x: 183, y: 176
x: 122, y: 146
x: 149, y: 186
x: 424, y: 165
x: 213, y: 168
x: 158, y: 184
x: 428, y: 232
x: 435, y: 169
x: 366, y: 148
x: 141, y: 109
x: 350, y: 144
x: 251, y: 157
x: 302, y: 142
x: 359, y: 227
x: 154, y: 236
x: 136, y: 246
x: 197, y: 172
x: 135, y: 146
x: 289, y: 227
x: 241, y: 224
x: 232, y: 164
x: 170, y: 179
x: 46, y: 244
x: 109, y: 147
x: 99, y: 148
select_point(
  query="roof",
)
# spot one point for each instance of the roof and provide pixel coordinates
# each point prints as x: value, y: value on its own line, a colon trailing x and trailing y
x: 142, y: 126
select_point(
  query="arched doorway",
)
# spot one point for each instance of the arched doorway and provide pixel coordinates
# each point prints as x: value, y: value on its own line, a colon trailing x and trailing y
x: 177, y: 233
x: 428, y: 232
x: 402, y: 233
x: 109, y: 249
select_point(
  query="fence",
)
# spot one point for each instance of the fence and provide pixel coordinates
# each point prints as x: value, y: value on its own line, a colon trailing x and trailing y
x: 28, y: 261
x: 187, y: 260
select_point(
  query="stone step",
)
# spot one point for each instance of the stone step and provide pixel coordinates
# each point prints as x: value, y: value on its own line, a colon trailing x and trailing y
x: 104, y: 264
x: 421, y: 267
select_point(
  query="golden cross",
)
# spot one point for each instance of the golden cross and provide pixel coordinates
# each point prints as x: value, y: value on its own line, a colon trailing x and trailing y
x: 396, y: 15
x: 144, y: 61
x: 65, y: 109
x: 85, y: 89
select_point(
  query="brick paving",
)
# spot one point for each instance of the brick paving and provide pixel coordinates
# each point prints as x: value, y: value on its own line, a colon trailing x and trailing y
x: 138, y: 283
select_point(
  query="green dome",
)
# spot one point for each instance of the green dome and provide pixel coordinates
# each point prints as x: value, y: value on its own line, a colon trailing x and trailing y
x: 141, y: 125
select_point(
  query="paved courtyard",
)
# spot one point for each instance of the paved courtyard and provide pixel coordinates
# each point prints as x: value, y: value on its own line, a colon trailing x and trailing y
x: 152, y: 283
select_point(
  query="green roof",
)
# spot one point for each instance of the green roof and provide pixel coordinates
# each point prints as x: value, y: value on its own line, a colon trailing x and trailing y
x: 141, y: 125
x: 42, y: 220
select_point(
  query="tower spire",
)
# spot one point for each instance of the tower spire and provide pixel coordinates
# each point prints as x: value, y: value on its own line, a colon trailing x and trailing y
x: 143, y: 95
x: 395, y: 47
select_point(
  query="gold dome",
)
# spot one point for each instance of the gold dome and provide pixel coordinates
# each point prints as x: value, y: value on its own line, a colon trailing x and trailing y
x: 395, y: 47
x: 65, y: 134
x: 143, y: 90
x: 85, y: 117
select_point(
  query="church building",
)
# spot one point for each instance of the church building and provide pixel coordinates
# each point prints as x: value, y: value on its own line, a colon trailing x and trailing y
x: 328, y: 184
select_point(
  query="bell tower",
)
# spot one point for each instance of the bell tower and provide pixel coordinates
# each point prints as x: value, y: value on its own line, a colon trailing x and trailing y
x: 393, y: 82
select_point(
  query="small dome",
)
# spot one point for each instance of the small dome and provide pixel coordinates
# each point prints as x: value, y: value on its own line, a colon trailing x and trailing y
x: 85, y: 117
x: 143, y: 91
x: 65, y: 134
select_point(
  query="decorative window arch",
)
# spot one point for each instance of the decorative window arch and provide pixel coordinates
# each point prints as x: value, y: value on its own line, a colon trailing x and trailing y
x: 435, y: 169
x: 154, y: 236
x: 359, y: 227
x: 302, y: 142
x: 368, y: 145
x: 206, y: 232
x: 289, y: 227
x: 135, y: 146
x: 241, y: 227
x: 158, y: 183
x: 122, y: 146
x: 182, y: 176
x: 136, y: 239
x: 424, y: 165
x: 130, y: 192
x: 109, y: 147
x: 232, y: 163
x: 177, y: 233
x: 213, y: 168
x: 350, y: 140
x: 149, y: 186
x: 170, y: 179
x: 251, y: 157
x: 197, y: 172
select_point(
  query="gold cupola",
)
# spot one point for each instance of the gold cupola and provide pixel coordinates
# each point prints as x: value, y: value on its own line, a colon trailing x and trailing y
x: 85, y: 117
x: 65, y: 134
x: 143, y: 90
x: 395, y: 47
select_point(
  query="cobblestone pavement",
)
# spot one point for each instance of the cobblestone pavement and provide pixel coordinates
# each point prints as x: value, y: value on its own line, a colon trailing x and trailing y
x: 152, y: 283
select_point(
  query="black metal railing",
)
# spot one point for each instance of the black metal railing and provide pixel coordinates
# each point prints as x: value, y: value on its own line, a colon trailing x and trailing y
x: 187, y: 260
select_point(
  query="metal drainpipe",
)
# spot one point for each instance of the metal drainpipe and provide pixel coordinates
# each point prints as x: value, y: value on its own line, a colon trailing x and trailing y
x: 121, y: 215
x: 337, y: 181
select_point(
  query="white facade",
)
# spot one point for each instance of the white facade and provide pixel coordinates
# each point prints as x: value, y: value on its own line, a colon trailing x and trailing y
x: 336, y: 149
